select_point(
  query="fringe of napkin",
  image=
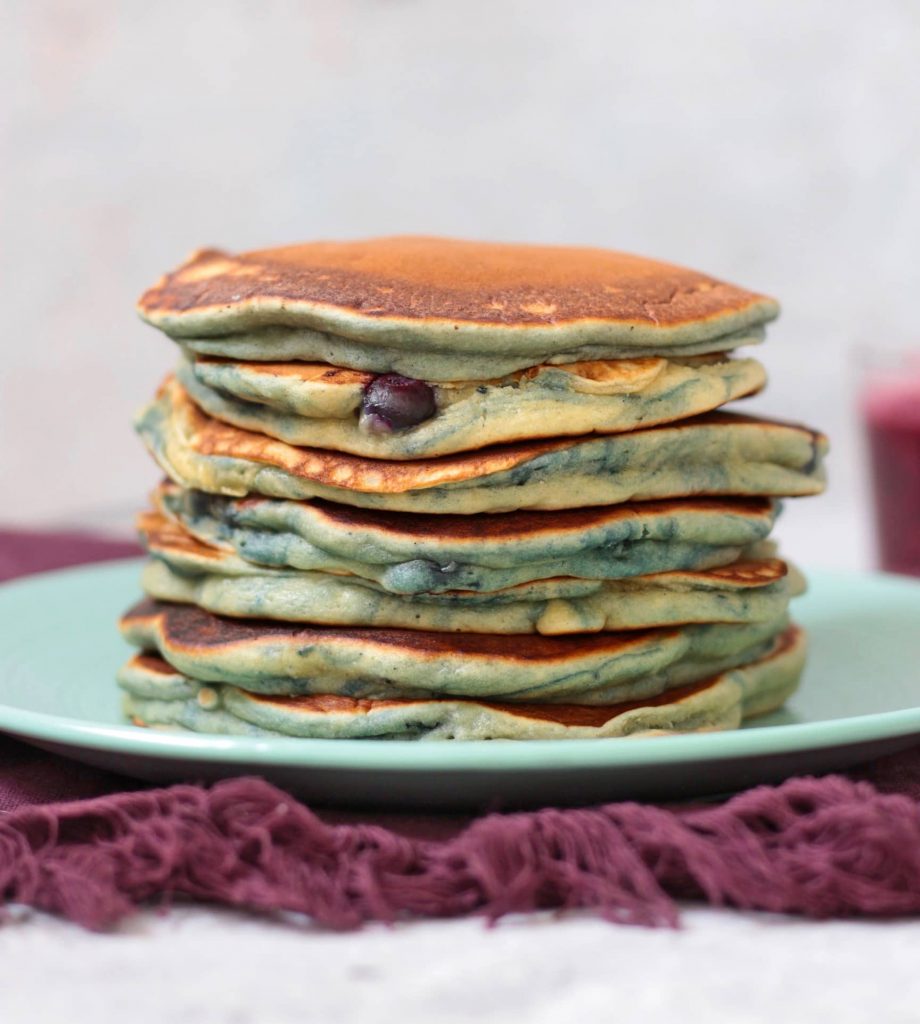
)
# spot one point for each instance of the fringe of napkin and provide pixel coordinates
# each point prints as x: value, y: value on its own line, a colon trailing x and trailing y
x: 818, y: 847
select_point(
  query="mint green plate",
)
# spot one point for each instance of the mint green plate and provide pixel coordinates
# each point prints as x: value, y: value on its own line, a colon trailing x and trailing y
x: 860, y: 697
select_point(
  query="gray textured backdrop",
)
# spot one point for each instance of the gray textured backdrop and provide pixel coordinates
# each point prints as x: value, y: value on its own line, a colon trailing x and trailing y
x: 775, y: 144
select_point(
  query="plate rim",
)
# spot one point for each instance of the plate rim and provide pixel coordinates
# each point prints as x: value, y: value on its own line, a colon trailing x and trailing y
x: 471, y: 756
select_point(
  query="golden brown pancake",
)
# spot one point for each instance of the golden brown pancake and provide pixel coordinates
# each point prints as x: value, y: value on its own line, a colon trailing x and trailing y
x: 157, y: 695
x: 718, y: 453
x: 166, y: 538
x: 423, y: 279
x: 345, y: 410
x: 182, y: 569
x: 267, y: 656
x: 548, y: 384
x: 445, y: 310
x: 414, y: 554
x: 210, y: 436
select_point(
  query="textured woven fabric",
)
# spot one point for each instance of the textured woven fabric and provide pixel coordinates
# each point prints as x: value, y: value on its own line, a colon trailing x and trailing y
x: 820, y: 847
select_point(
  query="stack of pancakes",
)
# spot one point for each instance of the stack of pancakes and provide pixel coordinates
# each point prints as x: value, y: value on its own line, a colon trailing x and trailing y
x: 421, y: 488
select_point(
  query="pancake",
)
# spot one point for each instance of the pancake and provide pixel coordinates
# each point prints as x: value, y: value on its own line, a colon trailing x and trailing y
x: 434, y: 489
x: 183, y: 570
x: 157, y: 695
x: 283, y: 658
x: 413, y: 554
x: 431, y: 308
x: 718, y: 453
x: 320, y: 406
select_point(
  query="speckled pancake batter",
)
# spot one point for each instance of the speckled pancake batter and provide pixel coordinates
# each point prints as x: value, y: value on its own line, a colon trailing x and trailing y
x: 158, y: 695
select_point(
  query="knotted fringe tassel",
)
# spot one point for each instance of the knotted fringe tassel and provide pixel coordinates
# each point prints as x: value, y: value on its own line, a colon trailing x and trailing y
x: 822, y: 848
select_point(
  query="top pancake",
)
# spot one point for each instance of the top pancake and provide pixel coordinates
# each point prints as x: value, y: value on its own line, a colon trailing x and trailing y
x: 399, y: 298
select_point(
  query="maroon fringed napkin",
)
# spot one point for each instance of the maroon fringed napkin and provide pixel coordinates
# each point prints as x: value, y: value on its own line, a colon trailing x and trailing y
x: 824, y: 847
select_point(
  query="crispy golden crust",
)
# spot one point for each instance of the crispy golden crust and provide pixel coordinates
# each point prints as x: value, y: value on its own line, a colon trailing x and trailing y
x: 751, y: 573
x: 212, y: 437
x: 564, y: 714
x: 164, y: 534
x: 445, y: 280
x: 303, y: 373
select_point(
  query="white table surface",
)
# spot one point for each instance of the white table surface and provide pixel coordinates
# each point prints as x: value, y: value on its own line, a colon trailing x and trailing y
x: 204, y: 966
x: 207, y: 965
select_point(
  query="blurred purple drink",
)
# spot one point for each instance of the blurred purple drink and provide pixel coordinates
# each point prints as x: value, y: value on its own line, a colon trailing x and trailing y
x: 891, y: 412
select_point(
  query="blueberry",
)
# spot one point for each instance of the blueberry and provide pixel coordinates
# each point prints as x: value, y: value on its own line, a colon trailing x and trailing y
x: 392, y: 402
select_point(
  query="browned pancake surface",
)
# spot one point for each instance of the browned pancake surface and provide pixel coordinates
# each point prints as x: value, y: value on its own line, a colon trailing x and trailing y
x: 510, y: 525
x: 420, y: 278
x: 212, y: 437
x: 190, y: 628
x: 167, y: 537
x: 564, y: 714
x: 164, y: 534
x: 304, y: 373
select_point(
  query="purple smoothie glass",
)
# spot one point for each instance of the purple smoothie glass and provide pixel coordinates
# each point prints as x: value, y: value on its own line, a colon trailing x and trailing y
x: 890, y: 404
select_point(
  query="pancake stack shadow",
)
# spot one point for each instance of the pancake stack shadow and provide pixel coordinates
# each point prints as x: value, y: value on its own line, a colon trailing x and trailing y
x: 428, y: 489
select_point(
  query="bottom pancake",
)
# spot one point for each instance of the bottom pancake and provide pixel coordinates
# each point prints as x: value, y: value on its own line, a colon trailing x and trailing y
x: 291, y: 659
x: 158, y: 695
